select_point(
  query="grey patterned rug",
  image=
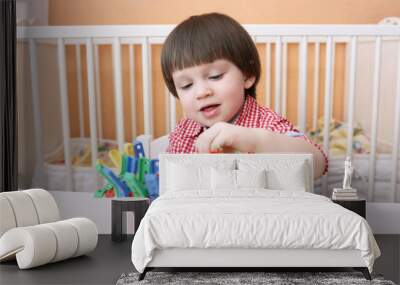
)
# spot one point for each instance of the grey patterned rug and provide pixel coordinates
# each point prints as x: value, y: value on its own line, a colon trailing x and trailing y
x: 230, y: 278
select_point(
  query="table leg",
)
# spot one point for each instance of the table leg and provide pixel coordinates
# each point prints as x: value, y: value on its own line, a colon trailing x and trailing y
x: 116, y: 217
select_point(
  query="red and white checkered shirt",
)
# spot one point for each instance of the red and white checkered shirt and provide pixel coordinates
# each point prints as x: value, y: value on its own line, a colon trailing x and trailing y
x: 183, y: 138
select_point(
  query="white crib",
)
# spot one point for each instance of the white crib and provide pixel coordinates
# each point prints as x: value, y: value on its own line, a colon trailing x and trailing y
x: 370, y: 50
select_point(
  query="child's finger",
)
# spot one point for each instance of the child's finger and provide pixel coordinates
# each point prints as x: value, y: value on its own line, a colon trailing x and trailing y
x: 203, y: 142
x: 221, y: 140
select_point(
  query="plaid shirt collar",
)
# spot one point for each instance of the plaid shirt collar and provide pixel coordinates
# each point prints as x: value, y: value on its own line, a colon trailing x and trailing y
x: 249, y: 110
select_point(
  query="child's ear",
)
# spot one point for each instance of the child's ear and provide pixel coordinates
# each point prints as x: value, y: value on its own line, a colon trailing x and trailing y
x: 249, y: 81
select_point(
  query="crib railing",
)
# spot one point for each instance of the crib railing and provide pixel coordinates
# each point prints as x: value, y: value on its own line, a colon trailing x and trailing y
x: 274, y: 37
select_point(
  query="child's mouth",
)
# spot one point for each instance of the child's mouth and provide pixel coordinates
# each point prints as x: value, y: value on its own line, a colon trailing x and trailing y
x: 210, y: 110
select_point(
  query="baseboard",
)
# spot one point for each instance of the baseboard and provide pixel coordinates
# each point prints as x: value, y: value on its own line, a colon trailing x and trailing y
x: 83, y: 204
x: 387, y: 212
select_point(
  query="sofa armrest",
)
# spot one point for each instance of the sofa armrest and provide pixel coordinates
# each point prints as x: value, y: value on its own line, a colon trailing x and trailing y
x: 40, y: 244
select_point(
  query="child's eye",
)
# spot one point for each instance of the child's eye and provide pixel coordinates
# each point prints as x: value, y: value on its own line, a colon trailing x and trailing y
x: 219, y: 76
x: 187, y: 86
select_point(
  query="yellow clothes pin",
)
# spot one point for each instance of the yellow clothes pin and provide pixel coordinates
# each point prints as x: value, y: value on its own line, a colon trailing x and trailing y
x: 128, y: 149
x: 115, y: 157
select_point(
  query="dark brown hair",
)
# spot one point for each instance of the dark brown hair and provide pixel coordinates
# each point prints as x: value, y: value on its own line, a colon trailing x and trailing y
x: 204, y: 39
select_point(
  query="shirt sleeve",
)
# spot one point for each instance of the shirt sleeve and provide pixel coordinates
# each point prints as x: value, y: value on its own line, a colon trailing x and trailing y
x: 177, y: 143
x: 172, y: 147
x: 274, y: 122
x: 174, y: 143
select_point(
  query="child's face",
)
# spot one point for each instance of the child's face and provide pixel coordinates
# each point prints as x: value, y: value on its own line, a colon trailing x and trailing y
x: 212, y: 92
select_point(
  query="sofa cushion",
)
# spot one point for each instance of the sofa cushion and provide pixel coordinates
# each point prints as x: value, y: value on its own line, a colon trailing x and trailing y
x: 31, y: 233
x: 40, y: 244
x: 23, y: 208
x: 7, y: 215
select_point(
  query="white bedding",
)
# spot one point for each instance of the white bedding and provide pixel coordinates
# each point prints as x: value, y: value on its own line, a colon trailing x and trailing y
x: 251, y: 218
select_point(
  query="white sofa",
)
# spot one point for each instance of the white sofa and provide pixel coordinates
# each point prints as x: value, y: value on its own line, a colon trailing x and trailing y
x: 31, y: 230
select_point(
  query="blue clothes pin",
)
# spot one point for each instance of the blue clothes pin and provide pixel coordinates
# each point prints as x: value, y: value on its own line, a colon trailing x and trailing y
x: 143, y: 169
x: 154, y: 166
x: 152, y: 184
x: 120, y: 187
x: 132, y: 163
x: 124, y: 164
x: 139, y: 150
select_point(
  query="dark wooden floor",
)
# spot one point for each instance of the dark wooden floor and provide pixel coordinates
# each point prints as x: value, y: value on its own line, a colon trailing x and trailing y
x: 111, y: 259
x: 102, y: 266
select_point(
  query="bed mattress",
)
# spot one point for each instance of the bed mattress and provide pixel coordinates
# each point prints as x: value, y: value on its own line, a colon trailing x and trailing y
x: 250, y: 218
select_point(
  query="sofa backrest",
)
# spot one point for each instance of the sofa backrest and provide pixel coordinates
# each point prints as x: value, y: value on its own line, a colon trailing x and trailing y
x: 281, y: 163
x: 26, y: 208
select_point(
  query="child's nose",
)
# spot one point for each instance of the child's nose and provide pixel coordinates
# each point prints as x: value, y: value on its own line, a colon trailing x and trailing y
x: 203, y: 91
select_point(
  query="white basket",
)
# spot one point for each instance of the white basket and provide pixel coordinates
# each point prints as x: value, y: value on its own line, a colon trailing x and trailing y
x: 84, y: 179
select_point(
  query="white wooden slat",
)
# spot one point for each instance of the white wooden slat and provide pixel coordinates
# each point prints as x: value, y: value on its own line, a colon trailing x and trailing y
x: 103, y: 31
x: 147, y: 90
x: 395, y: 197
x: 119, y: 112
x: 316, y: 86
x: 327, y: 107
x: 92, y: 100
x: 278, y: 74
x: 62, y: 73
x: 167, y: 109
x: 268, y: 73
x: 36, y: 114
x: 322, y: 30
x: 131, y: 34
x: 333, y: 74
x: 351, y: 96
x: 156, y: 40
x: 98, y: 89
x: 297, y: 39
x: 302, y: 102
x: 259, y: 39
x: 79, y: 89
x: 132, y: 39
x: 375, y: 114
x: 172, y: 112
x: 284, y: 78
x: 132, y: 88
x: 110, y: 31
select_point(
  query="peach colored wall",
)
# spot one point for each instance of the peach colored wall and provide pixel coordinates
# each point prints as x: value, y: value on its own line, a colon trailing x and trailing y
x: 104, y: 12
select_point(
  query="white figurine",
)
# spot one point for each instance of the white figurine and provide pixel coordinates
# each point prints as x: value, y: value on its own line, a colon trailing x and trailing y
x: 348, y: 173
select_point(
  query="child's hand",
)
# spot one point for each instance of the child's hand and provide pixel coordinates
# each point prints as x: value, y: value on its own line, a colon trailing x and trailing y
x: 223, y: 135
